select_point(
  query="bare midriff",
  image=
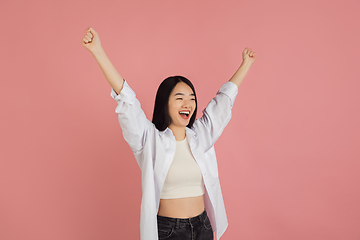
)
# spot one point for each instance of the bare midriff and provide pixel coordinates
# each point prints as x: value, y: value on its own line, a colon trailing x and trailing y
x: 181, y: 207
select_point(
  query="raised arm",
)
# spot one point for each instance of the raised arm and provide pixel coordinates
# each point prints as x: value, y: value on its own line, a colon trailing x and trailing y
x: 249, y: 58
x: 217, y: 114
x: 132, y: 119
x: 91, y: 42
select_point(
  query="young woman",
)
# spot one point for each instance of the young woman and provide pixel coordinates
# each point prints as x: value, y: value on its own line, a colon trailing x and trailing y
x: 181, y: 195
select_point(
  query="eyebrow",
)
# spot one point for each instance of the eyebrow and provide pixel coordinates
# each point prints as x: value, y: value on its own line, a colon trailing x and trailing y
x: 176, y: 94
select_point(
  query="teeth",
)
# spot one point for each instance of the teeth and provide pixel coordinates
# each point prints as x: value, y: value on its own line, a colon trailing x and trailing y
x: 185, y: 112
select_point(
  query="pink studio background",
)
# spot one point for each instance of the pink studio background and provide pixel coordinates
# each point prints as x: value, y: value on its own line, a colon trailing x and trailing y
x: 288, y: 160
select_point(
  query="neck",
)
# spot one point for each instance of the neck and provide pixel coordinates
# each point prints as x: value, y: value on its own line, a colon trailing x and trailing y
x: 179, y: 132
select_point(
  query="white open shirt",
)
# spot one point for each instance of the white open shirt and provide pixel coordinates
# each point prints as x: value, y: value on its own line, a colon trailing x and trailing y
x: 154, y: 151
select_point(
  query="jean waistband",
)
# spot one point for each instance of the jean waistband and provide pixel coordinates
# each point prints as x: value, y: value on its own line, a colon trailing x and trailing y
x: 201, y: 217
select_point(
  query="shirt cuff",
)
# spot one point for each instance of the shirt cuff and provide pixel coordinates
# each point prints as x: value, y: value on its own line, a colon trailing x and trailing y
x: 230, y: 89
x: 126, y: 94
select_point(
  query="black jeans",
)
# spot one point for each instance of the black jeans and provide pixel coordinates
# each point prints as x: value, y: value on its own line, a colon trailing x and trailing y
x: 195, y: 228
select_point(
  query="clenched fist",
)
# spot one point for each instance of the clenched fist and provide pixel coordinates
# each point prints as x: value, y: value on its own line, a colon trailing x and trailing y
x: 91, y: 41
x: 248, y: 55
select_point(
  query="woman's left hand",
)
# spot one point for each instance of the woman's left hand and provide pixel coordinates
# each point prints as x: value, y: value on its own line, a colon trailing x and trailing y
x: 248, y: 56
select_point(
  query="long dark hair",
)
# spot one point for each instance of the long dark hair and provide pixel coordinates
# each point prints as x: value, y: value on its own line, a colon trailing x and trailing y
x: 161, y: 118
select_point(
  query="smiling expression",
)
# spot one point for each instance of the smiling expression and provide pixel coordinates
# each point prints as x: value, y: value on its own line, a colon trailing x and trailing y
x: 181, y: 105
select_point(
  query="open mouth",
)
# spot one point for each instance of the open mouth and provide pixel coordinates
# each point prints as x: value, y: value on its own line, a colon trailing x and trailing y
x: 184, y: 114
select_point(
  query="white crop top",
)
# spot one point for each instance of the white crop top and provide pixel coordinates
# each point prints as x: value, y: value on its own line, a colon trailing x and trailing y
x: 184, y: 177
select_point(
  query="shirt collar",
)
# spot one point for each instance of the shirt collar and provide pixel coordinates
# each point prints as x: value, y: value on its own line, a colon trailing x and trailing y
x: 189, y: 132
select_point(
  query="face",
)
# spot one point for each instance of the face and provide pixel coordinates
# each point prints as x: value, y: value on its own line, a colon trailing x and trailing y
x: 181, y: 105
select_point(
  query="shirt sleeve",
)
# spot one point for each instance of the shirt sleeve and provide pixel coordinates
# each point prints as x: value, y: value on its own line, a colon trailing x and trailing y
x: 216, y: 115
x: 132, y: 119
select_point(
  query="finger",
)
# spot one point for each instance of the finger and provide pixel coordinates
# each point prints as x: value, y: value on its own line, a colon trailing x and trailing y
x: 92, y: 31
x: 85, y: 40
x: 89, y: 38
x: 89, y: 34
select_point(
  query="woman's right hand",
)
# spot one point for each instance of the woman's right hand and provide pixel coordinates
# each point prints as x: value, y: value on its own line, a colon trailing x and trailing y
x: 91, y: 41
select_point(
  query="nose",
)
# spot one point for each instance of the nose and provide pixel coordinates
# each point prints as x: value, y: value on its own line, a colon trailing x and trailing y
x: 186, y: 103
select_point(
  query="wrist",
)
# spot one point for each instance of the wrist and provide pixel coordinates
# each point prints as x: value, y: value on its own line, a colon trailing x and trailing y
x: 97, y: 51
x: 245, y: 64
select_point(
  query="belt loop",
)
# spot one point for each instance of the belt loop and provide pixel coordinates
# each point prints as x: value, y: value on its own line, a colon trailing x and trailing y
x: 177, y: 223
x: 203, y: 216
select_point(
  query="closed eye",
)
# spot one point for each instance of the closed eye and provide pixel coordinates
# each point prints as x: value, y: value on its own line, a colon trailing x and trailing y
x: 179, y: 99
